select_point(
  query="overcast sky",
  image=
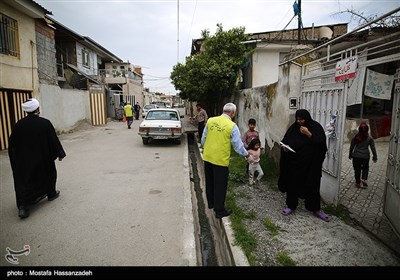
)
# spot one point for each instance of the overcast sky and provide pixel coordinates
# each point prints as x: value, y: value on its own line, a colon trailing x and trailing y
x: 145, y: 32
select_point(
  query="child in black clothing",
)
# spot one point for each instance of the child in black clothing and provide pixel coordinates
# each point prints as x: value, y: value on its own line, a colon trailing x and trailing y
x: 360, y: 154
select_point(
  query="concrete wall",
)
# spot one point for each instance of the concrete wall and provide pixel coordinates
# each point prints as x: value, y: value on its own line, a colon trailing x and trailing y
x: 265, y: 61
x: 65, y: 108
x: 20, y: 72
x: 269, y: 106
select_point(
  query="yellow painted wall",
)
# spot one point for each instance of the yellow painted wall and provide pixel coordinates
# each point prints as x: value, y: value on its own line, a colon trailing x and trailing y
x: 20, y: 72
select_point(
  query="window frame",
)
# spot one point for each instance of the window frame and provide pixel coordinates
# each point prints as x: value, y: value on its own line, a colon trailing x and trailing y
x: 85, y: 58
x: 9, y: 36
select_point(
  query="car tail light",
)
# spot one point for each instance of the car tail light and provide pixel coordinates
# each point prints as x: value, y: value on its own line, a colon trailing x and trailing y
x: 144, y: 129
x: 176, y: 129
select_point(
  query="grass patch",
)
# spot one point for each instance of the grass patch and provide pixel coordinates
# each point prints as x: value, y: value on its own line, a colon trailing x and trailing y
x: 243, y: 237
x: 237, y: 177
x: 271, y: 170
x: 268, y: 224
x: 284, y: 259
x: 339, y: 211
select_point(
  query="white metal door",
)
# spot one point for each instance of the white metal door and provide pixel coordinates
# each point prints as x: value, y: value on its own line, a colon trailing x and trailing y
x: 325, y: 101
x: 392, y: 184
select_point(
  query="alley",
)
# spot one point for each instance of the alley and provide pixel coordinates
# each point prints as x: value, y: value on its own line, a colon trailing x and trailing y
x: 121, y: 204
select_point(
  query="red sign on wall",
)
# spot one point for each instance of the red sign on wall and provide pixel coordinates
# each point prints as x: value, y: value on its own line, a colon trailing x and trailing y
x: 346, y: 69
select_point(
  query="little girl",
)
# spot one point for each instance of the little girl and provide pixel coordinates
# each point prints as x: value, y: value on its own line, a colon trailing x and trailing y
x: 253, y: 159
x: 360, y: 154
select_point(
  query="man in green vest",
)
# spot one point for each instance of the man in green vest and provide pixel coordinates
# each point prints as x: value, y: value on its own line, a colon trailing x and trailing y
x: 218, y: 136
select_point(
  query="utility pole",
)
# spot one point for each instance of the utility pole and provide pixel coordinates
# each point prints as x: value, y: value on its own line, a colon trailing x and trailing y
x: 299, y: 24
x: 177, y: 58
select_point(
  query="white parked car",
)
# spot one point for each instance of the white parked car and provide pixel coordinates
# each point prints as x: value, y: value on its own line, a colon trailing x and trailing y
x: 161, y: 123
x: 146, y: 108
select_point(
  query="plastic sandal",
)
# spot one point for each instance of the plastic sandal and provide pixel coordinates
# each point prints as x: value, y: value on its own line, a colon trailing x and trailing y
x: 287, y: 211
x: 320, y: 214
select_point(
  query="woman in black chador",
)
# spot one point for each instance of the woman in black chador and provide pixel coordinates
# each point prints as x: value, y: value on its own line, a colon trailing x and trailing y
x: 301, y: 170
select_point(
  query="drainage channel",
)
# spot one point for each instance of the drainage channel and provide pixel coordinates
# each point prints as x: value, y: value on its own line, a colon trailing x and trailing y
x: 206, y: 241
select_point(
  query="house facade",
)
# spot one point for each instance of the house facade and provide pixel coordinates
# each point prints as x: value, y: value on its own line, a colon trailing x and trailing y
x: 65, y: 71
x: 19, y: 78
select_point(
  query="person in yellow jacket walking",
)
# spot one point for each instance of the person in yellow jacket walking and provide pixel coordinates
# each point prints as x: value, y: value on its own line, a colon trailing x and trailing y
x: 128, y: 114
x: 219, y: 134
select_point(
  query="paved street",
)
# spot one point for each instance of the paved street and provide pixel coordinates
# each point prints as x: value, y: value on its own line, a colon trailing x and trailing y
x: 121, y: 204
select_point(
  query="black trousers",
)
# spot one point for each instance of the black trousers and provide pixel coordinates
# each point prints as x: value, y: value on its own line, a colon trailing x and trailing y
x: 216, y: 185
x: 361, y: 169
x: 312, y: 198
x: 129, y: 121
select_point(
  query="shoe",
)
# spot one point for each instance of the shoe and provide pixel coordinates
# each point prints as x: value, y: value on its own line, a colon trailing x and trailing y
x: 358, y: 185
x: 23, y: 213
x: 54, y: 196
x: 39, y: 199
x: 320, y: 214
x: 287, y: 211
x: 222, y: 214
x: 364, y: 183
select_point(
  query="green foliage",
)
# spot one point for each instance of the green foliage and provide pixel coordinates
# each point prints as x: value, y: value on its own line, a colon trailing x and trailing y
x: 268, y: 224
x: 271, y: 170
x: 211, y: 75
x: 284, y: 259
x: 243, y: 237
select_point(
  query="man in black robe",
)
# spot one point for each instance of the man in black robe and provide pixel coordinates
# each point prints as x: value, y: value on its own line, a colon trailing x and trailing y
x: 33, y: 148
x: 301, y: 169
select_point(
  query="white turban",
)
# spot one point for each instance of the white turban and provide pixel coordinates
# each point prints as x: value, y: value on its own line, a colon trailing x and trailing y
x: 31, y: 105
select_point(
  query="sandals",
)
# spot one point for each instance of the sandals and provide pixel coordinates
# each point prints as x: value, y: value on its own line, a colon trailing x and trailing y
x: 287, y: 211
x: 320, y: 214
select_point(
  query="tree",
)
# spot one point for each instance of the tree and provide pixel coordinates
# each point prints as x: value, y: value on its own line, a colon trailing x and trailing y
x: 211, y: 75
x: 392, y: 21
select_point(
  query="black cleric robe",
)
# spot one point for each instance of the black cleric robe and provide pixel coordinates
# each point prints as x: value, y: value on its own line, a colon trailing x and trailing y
x: 33, y: 148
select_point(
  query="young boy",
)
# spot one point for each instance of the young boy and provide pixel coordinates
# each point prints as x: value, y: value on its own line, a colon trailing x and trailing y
x: 248, y: 136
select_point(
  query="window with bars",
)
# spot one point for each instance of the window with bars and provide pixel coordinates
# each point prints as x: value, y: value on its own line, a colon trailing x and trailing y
x: 8, y: 36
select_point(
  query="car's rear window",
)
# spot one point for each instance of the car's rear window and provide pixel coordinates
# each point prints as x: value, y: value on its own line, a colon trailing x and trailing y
x: 162, y: 115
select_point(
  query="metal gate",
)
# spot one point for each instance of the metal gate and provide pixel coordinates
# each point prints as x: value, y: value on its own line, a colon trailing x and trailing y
x: 392, y: 184
x: 325, y: 99
x: 98, y: 108
x: 117, y: 99
x: 10, y: 112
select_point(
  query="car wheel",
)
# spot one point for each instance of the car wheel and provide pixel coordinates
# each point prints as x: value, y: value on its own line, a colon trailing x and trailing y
x: 145, y: 141
x: 177, y: 141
